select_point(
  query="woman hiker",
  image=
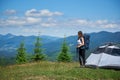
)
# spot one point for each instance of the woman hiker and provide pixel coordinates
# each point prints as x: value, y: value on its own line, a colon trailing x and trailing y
x: 80, y: 49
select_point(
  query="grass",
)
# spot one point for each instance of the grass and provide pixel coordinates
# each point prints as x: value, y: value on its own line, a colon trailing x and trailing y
x: 55, y: 71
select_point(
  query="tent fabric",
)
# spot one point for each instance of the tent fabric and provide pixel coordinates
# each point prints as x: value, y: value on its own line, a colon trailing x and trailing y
x: 105, y: 56
x: 112, y: 50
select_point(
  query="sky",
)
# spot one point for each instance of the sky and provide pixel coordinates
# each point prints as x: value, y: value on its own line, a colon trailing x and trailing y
x: 58, y: 17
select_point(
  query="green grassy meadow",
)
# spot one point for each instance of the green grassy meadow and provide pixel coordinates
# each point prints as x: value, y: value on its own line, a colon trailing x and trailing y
x: 46, y: 70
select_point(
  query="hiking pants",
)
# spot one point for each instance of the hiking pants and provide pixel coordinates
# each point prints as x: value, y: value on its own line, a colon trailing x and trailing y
x: 81, y: 56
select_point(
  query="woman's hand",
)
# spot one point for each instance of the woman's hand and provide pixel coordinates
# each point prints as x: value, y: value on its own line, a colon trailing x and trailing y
x: 78, y: 46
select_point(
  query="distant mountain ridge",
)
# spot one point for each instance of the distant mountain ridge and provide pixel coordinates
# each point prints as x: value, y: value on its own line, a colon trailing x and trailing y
x: 9, y: 43
x: 51, y: 45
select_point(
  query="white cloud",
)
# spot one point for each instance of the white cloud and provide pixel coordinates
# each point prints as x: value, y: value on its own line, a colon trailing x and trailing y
x: 32, y: 12
x: 101, y: 22
x: 82, y: 22
x: 48, y: 24
x: 33, y: 20
x: 42, y: 13
x: 91, y: 24
x: 53, y: 22
x: 58, y: 13
x: 110, y: 25
x: 106, y: 24
x: 10, y: 12
x: 12, y: 21
x: 30, y: 30
x: 45, y: 12
x: 19, y: 21
x: 35, y: 17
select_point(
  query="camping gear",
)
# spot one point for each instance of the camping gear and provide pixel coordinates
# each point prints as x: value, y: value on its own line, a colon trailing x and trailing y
x: 107, y: 56
x: 86, y: 41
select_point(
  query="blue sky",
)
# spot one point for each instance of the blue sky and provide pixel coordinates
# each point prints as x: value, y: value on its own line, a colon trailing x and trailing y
x: 58, y: 17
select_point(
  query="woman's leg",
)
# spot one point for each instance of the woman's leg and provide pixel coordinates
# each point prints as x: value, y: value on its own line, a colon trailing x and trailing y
x: 80, y: 57
x: 83, y: 55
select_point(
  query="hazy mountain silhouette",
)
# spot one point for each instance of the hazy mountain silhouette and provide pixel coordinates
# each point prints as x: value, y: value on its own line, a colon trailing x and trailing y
x: 51, y: 45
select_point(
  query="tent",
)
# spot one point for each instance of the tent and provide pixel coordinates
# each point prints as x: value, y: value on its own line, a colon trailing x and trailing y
x: 107, y: 56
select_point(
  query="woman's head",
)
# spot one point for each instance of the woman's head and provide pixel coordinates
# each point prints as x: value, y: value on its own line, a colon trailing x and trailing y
x: 80, y: 34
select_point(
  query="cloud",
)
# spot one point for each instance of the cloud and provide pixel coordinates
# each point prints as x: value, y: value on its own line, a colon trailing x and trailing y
x: 107, y: 24
x: 12, y: 21
x: 78, y: 22
x: 19, y: 21
x: 46, y: 18
x: 30, y: 30
x: 95, y: 24
x: 82, y: 22
x: 33, y: 20
x: 101, y: 22
x: 110, y: 25
x: 53, y: 22
x: 42, y: 13
x: 48, y: 24
x: 10, y: 12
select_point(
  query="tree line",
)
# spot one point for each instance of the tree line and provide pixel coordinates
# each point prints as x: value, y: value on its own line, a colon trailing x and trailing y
x: 21, y: 57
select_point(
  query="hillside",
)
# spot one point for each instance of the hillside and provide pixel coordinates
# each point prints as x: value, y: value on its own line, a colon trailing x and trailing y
x: 9, y: 43
x: 55, y: 71
x: 96, y: 39
x: 52, y: 45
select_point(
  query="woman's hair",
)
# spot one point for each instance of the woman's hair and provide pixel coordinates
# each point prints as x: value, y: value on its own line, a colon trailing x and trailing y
x: 80, y: 32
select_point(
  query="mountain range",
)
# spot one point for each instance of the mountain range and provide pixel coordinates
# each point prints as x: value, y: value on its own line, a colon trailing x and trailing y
x: 52, y: 45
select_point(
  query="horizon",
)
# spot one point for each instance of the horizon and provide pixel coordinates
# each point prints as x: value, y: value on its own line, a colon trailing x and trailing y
x: 59, y: 18
x: 56, y: 36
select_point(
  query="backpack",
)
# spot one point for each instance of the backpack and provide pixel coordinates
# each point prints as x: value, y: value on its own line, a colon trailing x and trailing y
x: 86, y: 41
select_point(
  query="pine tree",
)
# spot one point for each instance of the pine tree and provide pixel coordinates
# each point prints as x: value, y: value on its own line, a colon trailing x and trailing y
x: 64, y: 55
x: 21, y: 54
x: 38, y: 51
